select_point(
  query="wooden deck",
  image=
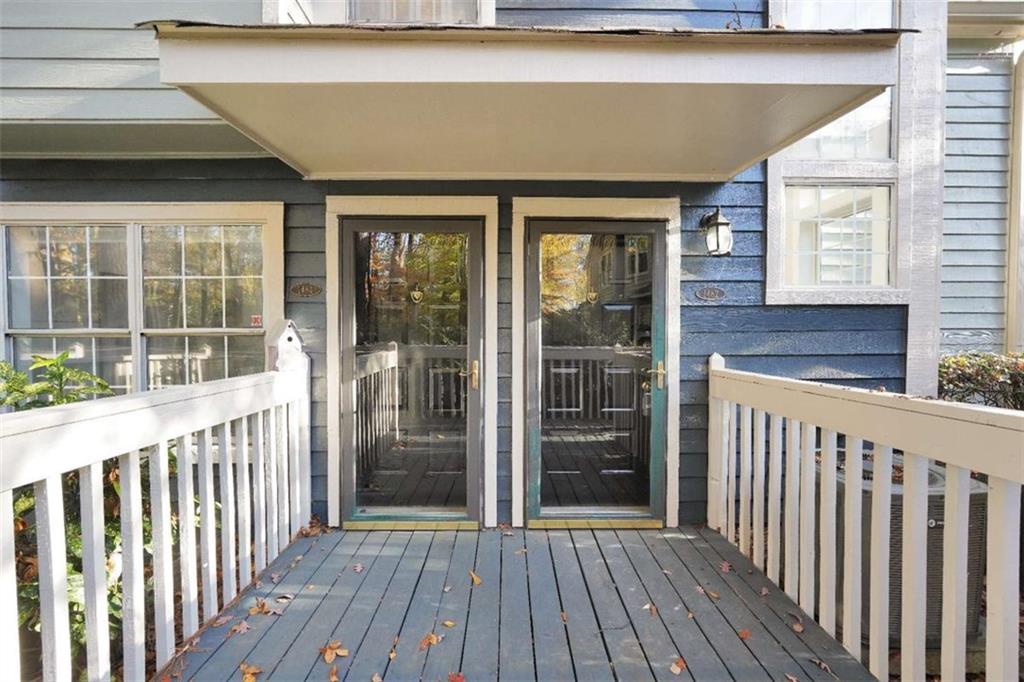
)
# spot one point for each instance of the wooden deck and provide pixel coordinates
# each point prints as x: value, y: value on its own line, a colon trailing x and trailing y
x: 550, y: 605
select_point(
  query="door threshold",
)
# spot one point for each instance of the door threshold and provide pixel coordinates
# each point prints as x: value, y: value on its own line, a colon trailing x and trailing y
x: 606, y: 523
x: 410, y: 525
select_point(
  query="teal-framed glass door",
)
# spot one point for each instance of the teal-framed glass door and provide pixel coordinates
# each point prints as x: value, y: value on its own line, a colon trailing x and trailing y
x: 596, y: 389
x: 412, y: 342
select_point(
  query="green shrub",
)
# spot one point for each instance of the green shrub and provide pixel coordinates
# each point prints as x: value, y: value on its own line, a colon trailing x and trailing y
x: 983, y: 378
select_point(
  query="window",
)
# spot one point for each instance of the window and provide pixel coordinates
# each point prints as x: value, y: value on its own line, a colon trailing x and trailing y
x: 836, y: 236
x: 832, y: 196
x: 143, y: 295
x: 415, y: 11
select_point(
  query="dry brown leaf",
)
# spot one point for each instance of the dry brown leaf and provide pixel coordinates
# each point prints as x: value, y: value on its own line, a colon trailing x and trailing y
x: 447, y: 589
x: 791, y: 678
x: 521, y: 550
x: 824, y: 666
x: 678, y: 666
x: 376, y: 678
x: 725, y: 566
x: 284, y: 598
x: 222, y: 620
x: 357, y: 568
x: 744, y: 634
x: 392, y: 654
x: 430, y: 640
x: 249, y: 672
x: 565, y: 617
x: 260, y: 608
x: 666, y: 571
x: 239, y: 628
x: 798, y: 627
x: 475, y: 578
x: 456, y: 677
x: 764, y: 591
x: 689, y: 614
x: 274, y: 577
x: 332, y: 676
x: 333, y: 650
x: 448, y: 623
x: 713, y: 594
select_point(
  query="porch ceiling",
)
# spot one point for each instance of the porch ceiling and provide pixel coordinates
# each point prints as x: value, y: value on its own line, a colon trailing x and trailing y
x: 444, y: 103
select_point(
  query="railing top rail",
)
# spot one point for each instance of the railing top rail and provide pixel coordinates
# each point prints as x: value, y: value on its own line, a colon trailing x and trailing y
x: 41, y: 443
x: 985, y: 439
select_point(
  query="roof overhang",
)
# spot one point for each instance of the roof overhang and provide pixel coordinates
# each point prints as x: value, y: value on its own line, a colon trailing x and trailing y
x: 341, y: 102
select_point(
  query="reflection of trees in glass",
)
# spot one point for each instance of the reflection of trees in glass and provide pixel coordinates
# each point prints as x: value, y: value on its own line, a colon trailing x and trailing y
x: 393, y: 269
x: 595, y: 290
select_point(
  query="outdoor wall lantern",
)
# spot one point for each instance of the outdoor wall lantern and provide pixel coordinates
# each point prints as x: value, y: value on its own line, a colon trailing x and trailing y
x: 717, y: 233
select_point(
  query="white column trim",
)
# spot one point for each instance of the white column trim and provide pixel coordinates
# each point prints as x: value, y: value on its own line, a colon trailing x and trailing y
x: 1015, y: 224
x: 661, y: 209
x: 475, y: 206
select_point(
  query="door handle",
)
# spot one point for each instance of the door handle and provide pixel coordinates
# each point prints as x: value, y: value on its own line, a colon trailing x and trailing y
x: 659, y: 372
x: 473, y: 374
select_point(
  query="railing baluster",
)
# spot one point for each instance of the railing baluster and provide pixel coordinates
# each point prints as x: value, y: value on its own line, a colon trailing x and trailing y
x: 187, y: 538
x: 792, y: 517
x: 915, y: 566
x: 270, y: 445
x: 730, y: 458
x: 745, y: 471
x: 827, y: 534
x: 283, y: 500
x: 1002, y: 582
x: 954, y: 573
x: 242, y: 493
x: 808, y: 471
x: 758, y: 497
x: 53, y: 579
x: 295, y: 467
x: 227, y: 513
x: 774, y: 497
x: 163, y: 571
x: 207, y: 525
x: 8, y: 584
x: 260, y: 492
x: 852, y: 560
x: 878, y: 617
x: 94, y: 573
x: 133, y: 581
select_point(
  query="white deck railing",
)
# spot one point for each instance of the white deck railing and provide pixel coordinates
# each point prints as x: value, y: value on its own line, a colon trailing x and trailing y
x: 249, y: 434
x: 772, y: 441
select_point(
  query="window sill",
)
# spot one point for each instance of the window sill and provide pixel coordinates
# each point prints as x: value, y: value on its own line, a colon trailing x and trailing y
x: 837, y: 296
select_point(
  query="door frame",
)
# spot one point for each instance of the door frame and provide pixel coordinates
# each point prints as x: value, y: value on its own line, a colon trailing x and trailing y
x: 664, y: 210
x: 486, y: 209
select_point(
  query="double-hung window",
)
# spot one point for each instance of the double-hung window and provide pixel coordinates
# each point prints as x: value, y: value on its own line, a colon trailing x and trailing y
x: 143, y: 295
x: 833, y: 196
x: 421, y: 11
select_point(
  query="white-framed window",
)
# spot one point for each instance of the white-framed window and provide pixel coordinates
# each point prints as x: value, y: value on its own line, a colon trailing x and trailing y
x: 471, y: 12
x: 143, y: 295
x: 834, y: 196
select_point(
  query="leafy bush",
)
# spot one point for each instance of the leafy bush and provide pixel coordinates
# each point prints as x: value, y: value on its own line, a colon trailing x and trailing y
x: 60, y: 384
x: 983, y: 378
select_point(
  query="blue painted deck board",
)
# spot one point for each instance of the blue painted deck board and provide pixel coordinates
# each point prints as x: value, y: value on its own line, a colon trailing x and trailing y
x: 510, y: 626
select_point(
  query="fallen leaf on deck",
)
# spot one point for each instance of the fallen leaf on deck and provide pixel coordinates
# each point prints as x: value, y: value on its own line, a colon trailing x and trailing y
x: 392, y: 654
x: 475, y: 578
x: 565, y: 617
x: 430, y: 640
x: 376, y: 678
x: 447, y: 589
x: 744, y: 633
x: 274, y: 577
x: 824, y: 666
x: 764, y: 592
x: 358, y: 568
x: 521, y: 550
x: 456, y: 677
x: 310, y: 588
x: 666, y: 571
x: 791, y: 678
x: 798, y: 626
x: 725, y: 566
x: 652, y: 608
x: 333, y: 650
x: 332, y: 676
x: 284, y: 598
x: 678, y: 666
x: 222, y: 620
x: 260, y: 608
x: 689, y: 614
x: 713, y: 594
x: 448, y: 623
x: 258, y: 584
x: 249, y: 672
x: 240, y: 628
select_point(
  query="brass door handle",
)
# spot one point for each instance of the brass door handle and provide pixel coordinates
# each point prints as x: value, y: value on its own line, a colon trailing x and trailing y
x: 473, y: 374
x: 660, y: 372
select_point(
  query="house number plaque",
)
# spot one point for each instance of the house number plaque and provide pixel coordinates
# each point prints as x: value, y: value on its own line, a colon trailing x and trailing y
x: 306, y: 289
x: 710, y: 293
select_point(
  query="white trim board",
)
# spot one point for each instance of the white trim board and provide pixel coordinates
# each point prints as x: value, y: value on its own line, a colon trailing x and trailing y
x: 663, y: 209
x: 433, y: 206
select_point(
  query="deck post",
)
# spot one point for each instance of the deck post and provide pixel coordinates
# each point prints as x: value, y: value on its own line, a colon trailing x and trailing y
x: 285, y: 354
x: 716, y: 481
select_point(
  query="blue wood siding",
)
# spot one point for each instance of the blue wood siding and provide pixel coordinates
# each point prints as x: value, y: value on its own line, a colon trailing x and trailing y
x: 633, y: 13
x: 853, y: 345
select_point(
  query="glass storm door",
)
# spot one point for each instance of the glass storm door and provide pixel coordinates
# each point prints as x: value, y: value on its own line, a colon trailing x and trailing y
x: 411, y: 302
x: 596, y: 384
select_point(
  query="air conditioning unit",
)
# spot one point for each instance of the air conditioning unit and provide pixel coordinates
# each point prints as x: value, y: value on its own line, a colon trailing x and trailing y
x: 936, y: 502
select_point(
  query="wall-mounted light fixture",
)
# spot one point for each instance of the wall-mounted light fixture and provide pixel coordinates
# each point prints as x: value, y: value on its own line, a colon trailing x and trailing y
x: 717, y: 233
